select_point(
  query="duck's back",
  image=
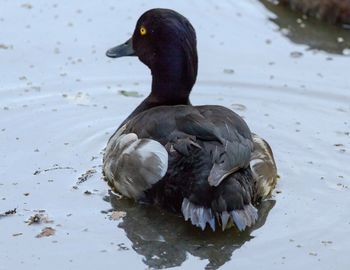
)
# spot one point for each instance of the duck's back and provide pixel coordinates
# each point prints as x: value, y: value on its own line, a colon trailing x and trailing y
x: 189, y: 159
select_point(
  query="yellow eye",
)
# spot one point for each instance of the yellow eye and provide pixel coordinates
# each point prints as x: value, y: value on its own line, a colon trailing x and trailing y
x: 143, y: 31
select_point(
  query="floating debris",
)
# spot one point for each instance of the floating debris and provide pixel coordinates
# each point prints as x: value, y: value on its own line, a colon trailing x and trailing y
x: 85, y: 176
x: 46, y: 232
x: 116, y: 215
x: 129, y: 93
x: 122, y: 247
x: 56, y: 167
x: 9, y: 212
x: 39, y: 218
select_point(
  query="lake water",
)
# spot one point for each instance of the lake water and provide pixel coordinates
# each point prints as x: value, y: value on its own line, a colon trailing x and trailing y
x: 60, y: 100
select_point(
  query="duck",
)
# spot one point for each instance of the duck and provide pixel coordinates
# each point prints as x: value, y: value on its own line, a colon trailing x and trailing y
x: 201, y: 162
x: 332, y: 11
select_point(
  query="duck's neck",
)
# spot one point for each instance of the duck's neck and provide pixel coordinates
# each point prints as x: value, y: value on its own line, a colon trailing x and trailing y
x: 170, y: 86
x: 172, y: 82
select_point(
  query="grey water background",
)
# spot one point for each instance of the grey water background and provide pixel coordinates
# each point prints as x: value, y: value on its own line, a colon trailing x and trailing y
x: 61, y: 99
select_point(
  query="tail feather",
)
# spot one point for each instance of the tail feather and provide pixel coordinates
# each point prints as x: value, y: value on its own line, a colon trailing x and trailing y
x: 200, y: 216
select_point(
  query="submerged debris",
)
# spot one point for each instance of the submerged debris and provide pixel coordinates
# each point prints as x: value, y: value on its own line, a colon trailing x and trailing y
x: 27, y: 6
x: 296, y: 54
x: 238, y: 107
x: 229, y: 71
x: 5, y: 47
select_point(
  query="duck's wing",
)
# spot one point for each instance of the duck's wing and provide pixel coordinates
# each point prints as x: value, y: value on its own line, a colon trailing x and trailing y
x: 229, y: 195
x: 235, y: 136
x: 230, y: 144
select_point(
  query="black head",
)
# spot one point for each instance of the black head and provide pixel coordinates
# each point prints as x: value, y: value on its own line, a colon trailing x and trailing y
x: 165, y: 41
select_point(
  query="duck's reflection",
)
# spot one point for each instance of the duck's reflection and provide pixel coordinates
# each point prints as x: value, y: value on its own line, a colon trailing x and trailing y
x: 165, y: 239
x: 311, y: 32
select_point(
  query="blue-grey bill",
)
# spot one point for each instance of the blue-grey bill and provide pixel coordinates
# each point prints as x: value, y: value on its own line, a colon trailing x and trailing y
x: 124, y: 49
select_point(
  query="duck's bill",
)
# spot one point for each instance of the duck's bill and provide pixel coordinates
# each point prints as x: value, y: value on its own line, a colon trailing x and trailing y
x: 124, y: 49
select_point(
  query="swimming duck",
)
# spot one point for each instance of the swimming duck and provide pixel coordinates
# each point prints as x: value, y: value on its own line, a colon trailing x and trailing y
x: 333, y: 11
x: 200, y: 161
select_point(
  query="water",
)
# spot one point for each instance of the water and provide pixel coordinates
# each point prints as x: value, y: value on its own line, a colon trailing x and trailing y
x: 60, y: 102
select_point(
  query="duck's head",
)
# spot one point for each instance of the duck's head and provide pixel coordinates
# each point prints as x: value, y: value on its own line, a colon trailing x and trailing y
x: 165, y: 41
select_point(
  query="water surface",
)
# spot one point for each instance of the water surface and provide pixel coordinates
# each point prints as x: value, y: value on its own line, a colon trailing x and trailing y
x: 60, y: 101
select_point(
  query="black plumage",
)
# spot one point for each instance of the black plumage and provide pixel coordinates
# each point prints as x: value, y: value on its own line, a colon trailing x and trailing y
x: 195, y: 159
